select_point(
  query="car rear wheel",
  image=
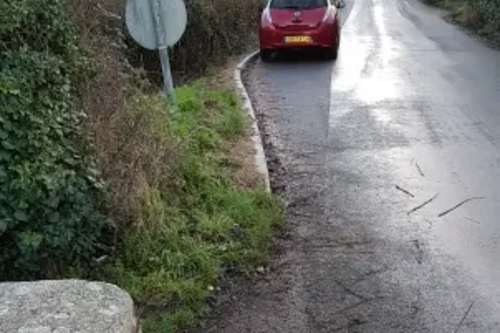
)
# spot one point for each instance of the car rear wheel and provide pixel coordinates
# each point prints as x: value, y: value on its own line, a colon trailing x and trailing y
x: 333, y: 51
x: 266, y: 55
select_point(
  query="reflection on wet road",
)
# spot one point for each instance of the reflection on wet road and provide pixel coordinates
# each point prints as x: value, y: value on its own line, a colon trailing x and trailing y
x: 392, y: 177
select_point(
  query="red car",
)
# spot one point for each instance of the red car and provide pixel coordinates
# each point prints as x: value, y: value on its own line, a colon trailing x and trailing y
x: 299, y: 24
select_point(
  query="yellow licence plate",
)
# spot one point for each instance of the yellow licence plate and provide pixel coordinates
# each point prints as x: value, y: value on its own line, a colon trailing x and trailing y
x: 298, y: 39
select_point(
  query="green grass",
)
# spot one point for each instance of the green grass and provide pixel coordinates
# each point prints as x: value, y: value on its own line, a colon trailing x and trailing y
x: 196, y: 224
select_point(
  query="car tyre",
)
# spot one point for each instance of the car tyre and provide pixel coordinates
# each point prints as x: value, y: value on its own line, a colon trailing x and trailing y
x: 332, y: 52
x: 266, y: 55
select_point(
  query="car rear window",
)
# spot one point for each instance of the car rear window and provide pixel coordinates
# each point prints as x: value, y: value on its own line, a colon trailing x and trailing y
x: 298, y: 4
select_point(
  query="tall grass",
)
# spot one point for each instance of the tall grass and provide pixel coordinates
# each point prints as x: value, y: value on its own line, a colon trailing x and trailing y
x: 196, y: 225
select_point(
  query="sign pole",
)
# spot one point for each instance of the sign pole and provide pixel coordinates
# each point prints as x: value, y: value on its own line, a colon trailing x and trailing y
x: 163, y: 50
x: 167, y: 75
x: 157, y: 25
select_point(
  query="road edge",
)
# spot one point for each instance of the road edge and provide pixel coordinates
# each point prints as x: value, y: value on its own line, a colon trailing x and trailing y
x: 260, y: 155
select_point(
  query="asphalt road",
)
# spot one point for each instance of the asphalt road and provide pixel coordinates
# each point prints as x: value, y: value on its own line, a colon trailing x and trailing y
x: 389, y: 160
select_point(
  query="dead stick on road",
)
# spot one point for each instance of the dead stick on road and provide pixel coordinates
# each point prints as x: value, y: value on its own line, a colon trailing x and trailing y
x: 419, y: 170
x: 404, y: 191
x: 472, y: 220
x: 423, y: 204
x: 463, y: 318
x: 458, y: 205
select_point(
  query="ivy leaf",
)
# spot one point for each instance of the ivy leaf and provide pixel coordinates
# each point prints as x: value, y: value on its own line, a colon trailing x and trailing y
x: 21, y: 216
x: 7, y: 125
x: 7, y: 145
x: 31, y: 239
x: 53, y: 202
x: 6, y: 88
x: 3, y: 226
x: 54, y: 217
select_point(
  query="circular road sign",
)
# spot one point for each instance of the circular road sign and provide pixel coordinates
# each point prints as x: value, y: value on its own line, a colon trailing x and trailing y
x: 140, y: 21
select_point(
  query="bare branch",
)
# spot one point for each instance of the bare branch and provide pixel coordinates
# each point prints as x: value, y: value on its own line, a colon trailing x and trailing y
x: 458, y: 205
x: 473, y: 220
x: 404, y: 191
x: 419, y: 169
x: 425, y: 203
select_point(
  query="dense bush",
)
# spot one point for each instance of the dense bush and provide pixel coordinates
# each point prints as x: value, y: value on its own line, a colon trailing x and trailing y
x: 480, y: 15
x: 216, y: 30
x: 489, y: 14
x: 50, y: 192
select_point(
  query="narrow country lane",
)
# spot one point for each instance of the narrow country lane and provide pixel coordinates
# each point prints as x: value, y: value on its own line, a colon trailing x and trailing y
x: 391, y: 172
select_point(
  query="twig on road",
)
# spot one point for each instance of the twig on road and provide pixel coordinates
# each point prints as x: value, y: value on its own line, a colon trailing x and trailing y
x: 425, y: 203
x: 463, y: 318
x: 414, y: 162
x: 472, y: 220
x: 458, y: 205
x: 404, y: 191
x: 419, y: 169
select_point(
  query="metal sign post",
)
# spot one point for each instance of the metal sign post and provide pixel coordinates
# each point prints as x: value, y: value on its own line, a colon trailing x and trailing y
x: 163, y: 50
x: 156, y: 25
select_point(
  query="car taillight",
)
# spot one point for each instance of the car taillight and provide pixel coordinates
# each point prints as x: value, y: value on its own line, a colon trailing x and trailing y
x: 267, y: 17
x: 327, y: 15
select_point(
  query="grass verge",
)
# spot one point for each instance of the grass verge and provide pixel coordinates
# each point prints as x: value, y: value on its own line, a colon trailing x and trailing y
x: 196, y: 223
x: 479, y: 17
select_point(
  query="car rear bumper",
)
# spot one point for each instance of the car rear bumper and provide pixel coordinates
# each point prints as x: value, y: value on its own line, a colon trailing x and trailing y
x: 274, y: 39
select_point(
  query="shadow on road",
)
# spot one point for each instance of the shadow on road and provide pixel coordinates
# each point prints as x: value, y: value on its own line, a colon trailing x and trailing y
x: 300, y: 56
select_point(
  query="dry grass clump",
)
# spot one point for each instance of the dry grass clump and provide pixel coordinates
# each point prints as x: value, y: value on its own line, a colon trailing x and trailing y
x: 134, y: 147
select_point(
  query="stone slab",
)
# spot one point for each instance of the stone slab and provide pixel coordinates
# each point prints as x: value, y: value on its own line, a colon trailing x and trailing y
x: 65, y: 306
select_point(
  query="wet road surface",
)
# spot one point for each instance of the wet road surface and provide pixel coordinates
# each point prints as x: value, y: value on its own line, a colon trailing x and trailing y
x: 389, y: 160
